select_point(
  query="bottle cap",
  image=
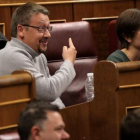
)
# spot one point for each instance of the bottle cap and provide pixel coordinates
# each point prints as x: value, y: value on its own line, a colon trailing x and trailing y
x: 89, y: 74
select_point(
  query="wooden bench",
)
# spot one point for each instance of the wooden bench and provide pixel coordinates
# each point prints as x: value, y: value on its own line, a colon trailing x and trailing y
x: 117, y: 91
x: 16, y: 90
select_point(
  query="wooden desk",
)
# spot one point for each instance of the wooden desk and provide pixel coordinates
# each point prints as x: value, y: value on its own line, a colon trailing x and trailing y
x: 117, y: 91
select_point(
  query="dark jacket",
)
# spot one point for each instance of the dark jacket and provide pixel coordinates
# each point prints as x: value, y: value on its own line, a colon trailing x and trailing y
x: 3, y: 40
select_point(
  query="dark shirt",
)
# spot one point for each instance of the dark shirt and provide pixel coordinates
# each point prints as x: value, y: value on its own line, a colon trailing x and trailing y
x: 118, y: 56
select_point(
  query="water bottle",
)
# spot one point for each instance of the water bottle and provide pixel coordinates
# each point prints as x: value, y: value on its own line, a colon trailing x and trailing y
x: 89, y: 89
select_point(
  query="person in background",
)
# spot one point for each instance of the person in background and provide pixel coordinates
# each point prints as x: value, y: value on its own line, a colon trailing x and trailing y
x: 130, y: 127
x: 128, y: 32
x: 41, y: 121
x: 3, y: 41
x: 30, y: 31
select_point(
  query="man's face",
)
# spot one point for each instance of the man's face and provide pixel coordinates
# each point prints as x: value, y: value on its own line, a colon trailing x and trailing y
x: 53, y: 128
x: 32, y: 37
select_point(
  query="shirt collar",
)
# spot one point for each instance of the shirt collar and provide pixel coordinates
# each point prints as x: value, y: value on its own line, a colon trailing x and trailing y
x: 19, y: 44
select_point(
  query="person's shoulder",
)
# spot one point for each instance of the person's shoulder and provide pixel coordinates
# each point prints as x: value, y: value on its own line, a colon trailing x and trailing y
x: 12, y: 53
x: 117, y: 56
x: 17, y: 50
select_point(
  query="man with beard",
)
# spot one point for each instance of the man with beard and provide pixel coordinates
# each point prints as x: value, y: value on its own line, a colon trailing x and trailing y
x: 30, y: 31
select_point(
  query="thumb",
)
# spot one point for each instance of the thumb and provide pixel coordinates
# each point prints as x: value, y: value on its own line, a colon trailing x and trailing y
x: 65, y: 48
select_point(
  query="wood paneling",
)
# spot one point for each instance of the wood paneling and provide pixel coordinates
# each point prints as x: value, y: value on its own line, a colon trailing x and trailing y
x: 2, y: 28
x: 100, y: 119
x: 100, y: 9
x: 58, y: 21
x: 23, y: 1
x: 5, y: 17
x: 100, y: 35
x: 57, y: 11
x: 16, y: 89
x: 18, y: 2
x: 60, y: 11
x: 138, y: 4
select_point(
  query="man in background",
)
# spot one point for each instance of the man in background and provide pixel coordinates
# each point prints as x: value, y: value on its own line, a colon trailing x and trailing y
x: 130, y: 127
x: 41, y: 121
x: 3, y: 40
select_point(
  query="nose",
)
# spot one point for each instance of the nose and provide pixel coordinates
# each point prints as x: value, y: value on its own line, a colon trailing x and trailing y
x: 65, y: 136
x: 47, y: 34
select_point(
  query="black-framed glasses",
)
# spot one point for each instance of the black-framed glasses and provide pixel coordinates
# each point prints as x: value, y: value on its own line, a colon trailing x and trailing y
x: 40, y: 29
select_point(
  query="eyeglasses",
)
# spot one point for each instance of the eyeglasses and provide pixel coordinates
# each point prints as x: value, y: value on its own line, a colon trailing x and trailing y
x: 40, y: 29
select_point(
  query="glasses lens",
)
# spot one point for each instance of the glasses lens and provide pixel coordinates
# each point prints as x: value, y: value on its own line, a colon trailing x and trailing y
x: 49, y: 28
x: 41, y: 29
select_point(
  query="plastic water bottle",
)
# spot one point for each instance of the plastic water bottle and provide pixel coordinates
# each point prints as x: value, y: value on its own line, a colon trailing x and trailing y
x: 89, y: 89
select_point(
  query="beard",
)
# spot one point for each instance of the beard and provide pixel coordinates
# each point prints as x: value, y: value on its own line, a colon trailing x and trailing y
x: 42, y: 47
x: 40, y: 50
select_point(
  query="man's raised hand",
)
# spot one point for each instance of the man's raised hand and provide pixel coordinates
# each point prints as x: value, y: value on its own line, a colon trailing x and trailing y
x: 69, y: 53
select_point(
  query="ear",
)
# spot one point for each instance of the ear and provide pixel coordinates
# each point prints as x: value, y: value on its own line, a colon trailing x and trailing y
x: 128, y: 39
x: 35, y: 133
x: 20, y: 30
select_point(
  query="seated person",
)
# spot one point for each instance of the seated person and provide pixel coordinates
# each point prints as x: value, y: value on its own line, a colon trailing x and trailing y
x: 3, y: 40
x: 128, y: 32
x: 30, y: 31
x: 41, y: 121
x: 130, y: 127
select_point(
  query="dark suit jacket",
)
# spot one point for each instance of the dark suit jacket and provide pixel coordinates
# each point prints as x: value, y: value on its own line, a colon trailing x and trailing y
x: 3, y: 40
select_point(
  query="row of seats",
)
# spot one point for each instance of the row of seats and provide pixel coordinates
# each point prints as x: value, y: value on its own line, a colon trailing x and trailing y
x: 82, y: 37
x: 116, y: 94
x: 16, y: 91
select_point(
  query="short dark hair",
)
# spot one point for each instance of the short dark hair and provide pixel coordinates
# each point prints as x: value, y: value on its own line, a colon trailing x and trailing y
x: 130, y: 127
x: 128, y: 23
x: 34, y: 114
x: 23, y: 14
